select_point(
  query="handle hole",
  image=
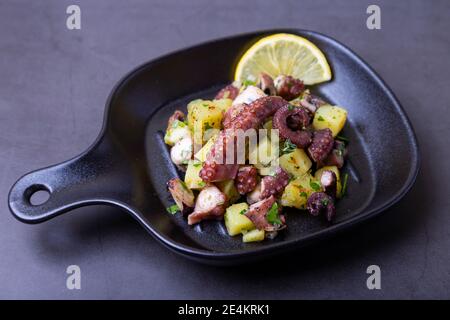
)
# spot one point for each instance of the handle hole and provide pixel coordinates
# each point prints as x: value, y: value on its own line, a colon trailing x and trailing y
x: 37, y: 195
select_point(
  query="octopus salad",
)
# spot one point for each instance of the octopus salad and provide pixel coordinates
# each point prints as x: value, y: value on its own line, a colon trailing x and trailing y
x: 294, y: 159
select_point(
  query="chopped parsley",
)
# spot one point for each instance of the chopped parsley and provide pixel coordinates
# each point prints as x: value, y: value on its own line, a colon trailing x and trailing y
x: 208, y: 126
x: 247, y: 83
x: 303, y: 194
x: 197, y: 164
x: 288, y: 147
x: 314, y: 185
x: 206, y: 105
x: 178, y: 123
x: 272, y: 215
x: 342, y: 138
x: 173, y: 209
x: 201, y: 184
x: 290, y: 107
x: 344, y: 185
x: 320, y: 118
x: 325, y: 202
x: 243, y: 211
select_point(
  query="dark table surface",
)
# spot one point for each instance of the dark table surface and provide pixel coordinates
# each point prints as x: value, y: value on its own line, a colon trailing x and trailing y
x: 53, y: 86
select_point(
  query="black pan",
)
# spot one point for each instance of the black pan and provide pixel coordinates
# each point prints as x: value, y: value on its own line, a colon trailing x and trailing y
x: 128, y: 165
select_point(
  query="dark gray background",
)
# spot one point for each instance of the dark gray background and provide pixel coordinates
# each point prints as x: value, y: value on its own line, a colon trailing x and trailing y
x: 53, y: 85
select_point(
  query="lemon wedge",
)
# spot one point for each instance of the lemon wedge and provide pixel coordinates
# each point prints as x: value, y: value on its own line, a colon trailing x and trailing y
x: 285, y: 54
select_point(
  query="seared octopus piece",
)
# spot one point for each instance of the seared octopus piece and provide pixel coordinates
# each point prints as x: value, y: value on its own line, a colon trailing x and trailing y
x: 311, y: 102
x: 251, y: 116
x: 288, y: 87
x: 232, y: 113
x: 210, y: 204
x: 266, y: 84
x: 248, y: 95
x: 177, y: 115
x: 246, y: 179
x: 274, y: 185
x: 257, y: 213
x: 321, y: 203
x: 182, y: 195
x: 328, y: 181
x: 216, y: 168
x: 287, y: 119
x: 229, y: 92
x: 336, y: 156
x: 321, y: 145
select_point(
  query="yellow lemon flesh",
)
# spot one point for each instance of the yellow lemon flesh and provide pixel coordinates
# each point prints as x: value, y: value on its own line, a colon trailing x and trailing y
x: 285, y: 54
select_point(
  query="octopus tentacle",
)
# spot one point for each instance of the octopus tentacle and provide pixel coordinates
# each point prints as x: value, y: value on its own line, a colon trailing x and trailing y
x: 246, y: 179
x: 288, y: 87
x: 274, y: 185
x: 288, y: 120
x: 258, y: 211
x: 321, y: 145
x: 228, y: 92
x: 320, y: 202
x: 250, y: 116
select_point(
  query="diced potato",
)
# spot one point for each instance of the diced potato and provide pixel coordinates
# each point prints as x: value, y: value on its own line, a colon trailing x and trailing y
x: 298, y: 191
x: 264, y: 153
x: 268, y: 125
x: 266, y: 171
x: 202, y: 116
x: 253, y: 236
x: 331, y: 117
x: 192, y: 179
x: 176, y: 132
x: 229, y: 189
x: 223, y: 104
x: 335, y: 169
x: 203, y: 152
x: 296, y: 163
x: 235, y: 221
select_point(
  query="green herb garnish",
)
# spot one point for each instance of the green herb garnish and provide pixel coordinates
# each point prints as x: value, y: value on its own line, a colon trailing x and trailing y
x: 314, y: 185
x: 344, y: 185
x: 303, y: 194
x: 320, y: 118
x: 178, y: 123
x: 342, y: 138
x: 288, y: 147
x: 247, y: 83
x: 272, y: 215
x: 243, y: 211
x: 208, y: 126
x: 201, y: 184
x: 325, y: 202
x: 290, y: 107
x: 198, y: 164
x: 173, y: 209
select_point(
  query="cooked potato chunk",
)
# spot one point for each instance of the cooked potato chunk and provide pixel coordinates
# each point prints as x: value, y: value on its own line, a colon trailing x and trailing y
x: 262, y: 155
x: 223, y: 104
x: 203, y: 152
x: 203, y: 115
x: 230, y: 191
x: 318, y: 175
x: 298, y: 190
x: 235, y: 220
x: 177, y: 131
x: 296, y: 163
x: 192, y: 179
x: 253, y: 235
x: 331, y: 117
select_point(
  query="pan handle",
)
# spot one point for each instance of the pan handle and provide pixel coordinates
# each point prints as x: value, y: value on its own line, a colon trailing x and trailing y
x: 90, y: 178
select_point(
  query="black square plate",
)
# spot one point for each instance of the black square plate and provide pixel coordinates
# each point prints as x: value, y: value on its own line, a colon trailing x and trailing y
x: 129, y: 164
